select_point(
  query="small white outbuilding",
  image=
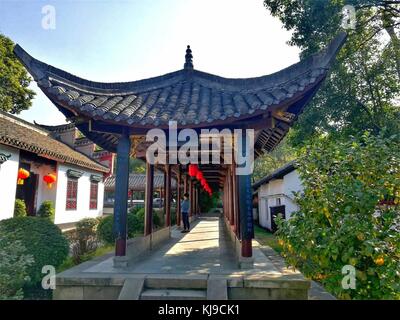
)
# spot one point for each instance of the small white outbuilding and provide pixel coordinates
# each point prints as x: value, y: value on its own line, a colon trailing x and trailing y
x: 275, y: 194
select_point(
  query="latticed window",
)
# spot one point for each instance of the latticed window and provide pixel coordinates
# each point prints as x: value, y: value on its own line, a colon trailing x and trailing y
x: 93, y: 195
x: 72, y: 194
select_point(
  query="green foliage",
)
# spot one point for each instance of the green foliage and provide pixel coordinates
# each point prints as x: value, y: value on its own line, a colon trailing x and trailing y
x: 41, y: 238
x: 361, y: 93
x: 342, y: 220
x: 47, y: 210
x: 84, y: 239
x: 136, y: 166
x: 140, y: 213
x: 15, y: 96
x: 19, y: 208
x: 135, y: 224
x: 14, y: 262
x: 207, y: 203
x: 268, y: 162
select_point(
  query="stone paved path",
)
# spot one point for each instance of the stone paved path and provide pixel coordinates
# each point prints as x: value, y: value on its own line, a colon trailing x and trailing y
x: 205, y: 249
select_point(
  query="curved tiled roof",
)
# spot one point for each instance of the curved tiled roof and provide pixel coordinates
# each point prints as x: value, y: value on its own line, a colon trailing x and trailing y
x: 190, y: 97
x: 25, y: 136
x: 137, y: 182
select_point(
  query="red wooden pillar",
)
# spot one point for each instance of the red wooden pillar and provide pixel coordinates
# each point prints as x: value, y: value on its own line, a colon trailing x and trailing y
x: 230, y: 195
x: 168, y: 195
x: 185, y: 183
x: 148, y: 215
x: 191, y: 197
x: 178, y: 196
x: 235, y: 202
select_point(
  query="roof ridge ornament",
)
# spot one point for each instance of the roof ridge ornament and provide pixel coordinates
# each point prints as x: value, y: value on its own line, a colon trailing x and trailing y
x: 188, y: 59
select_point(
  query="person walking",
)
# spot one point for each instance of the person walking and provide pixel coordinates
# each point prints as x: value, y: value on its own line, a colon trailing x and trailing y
x: 185, y: 205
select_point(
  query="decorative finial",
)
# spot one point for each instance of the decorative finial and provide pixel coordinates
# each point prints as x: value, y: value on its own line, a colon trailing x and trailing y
x: 188, y: 59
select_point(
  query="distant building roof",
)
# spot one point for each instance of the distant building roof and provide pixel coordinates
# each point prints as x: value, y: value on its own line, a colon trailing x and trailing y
x: 277, y: 174
x: 26, y: 136
x: 137, y: 182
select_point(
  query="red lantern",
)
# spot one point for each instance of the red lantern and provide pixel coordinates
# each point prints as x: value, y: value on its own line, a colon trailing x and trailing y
x: 50, y: 179
x: 22, y: 175
x: 203, y: 182
x: 199, y: 175
x: 193, y: 169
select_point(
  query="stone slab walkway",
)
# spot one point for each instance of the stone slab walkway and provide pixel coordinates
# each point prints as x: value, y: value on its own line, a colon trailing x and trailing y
x: 206, y: 249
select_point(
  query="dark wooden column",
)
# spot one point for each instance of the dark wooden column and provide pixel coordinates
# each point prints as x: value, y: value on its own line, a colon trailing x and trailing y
x: 185, y: 183
x: 190, y: 196
x: 164, y: 194
x: 168, y: 195
x: 235, y: 201
x: 121, y: 194
x: 245, y: 209
x: 231, y: 199
x: 178, y: 196
x: 148, y: 215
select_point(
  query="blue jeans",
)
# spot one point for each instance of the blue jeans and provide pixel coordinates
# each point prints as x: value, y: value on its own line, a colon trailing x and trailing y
x: 185, y: 219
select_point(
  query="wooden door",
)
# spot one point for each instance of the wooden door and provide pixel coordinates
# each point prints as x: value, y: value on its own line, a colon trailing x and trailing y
x: 274, y: 213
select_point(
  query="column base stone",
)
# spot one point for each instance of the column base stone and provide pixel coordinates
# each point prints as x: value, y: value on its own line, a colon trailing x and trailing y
x: 246, y: 262
x: 120, y: 261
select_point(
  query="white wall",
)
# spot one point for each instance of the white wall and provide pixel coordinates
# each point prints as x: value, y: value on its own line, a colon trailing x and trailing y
x: 82, y: 211
x: 282, y: 189
x: 291, y: 183
x: 267, y: 198
x: 43, y: 191
x: 8, y: 182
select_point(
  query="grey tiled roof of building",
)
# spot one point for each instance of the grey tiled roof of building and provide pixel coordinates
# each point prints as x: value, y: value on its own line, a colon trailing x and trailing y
x: 137, y: 182
x: 23, y: 135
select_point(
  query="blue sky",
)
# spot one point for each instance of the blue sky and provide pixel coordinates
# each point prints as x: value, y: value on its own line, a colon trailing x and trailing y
x: 124, y: 40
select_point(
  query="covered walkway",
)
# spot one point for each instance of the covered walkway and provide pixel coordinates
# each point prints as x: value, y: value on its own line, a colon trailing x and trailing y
x: 184, y: 266
x: 206, y: 249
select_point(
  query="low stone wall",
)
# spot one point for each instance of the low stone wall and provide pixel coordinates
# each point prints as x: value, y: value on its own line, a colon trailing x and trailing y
x: 243, y: 262
x: 139, y: 246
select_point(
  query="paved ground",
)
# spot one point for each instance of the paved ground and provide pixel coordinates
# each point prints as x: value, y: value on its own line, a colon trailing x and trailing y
x: 206, y: 249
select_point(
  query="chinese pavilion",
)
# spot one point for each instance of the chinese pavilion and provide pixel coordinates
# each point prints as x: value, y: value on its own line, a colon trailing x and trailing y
x: 117, y: 116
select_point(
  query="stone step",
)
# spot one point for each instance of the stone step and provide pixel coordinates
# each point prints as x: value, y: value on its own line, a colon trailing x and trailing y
x: 131, y: 289
x: 176, y: 282
x: 173, y: 294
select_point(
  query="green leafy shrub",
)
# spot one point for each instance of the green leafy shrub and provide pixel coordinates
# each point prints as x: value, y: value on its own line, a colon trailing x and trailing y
x: 19, y: 208
x: 47, y: 210
x: 41, y: 238
x: 105, y: 228
x: 84, y: 239
x: 208, y: 203
x: 135, y: 224
x: 349, y: 215
x: 14, y: 262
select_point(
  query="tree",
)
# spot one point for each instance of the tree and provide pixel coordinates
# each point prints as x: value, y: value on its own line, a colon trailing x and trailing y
x: 15, y: 96
x: 348, y: 216
x: 271, y: 161
x: 363, y: 89
x: 136, y: 166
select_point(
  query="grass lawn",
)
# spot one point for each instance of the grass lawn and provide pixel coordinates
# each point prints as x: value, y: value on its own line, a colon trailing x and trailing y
x: 267, y: 238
